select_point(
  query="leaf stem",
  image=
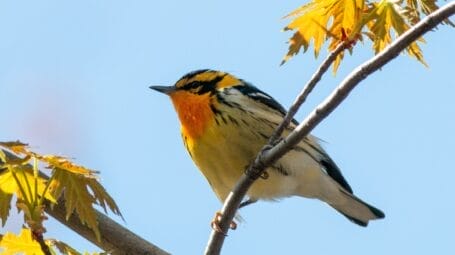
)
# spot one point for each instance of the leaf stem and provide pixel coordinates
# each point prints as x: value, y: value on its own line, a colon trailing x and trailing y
x: 35, y: 177
x: 48, y: 184
x: 29, y: 188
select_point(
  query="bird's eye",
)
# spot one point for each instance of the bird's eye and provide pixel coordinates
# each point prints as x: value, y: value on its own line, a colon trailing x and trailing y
x: 193, y: 86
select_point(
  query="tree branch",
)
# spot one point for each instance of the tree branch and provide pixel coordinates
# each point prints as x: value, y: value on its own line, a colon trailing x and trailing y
x: 269, y: 155
x: 115, y: 239
x: 309, y: 86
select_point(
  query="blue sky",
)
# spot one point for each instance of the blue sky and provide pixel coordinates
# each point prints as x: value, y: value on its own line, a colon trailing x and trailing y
x: 74, y: 80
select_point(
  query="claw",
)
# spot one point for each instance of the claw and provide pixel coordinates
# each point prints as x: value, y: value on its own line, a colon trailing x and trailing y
x: 215, y: 223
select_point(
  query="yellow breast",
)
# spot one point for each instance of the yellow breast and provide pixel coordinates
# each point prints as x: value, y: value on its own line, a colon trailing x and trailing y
x: 223, y: 145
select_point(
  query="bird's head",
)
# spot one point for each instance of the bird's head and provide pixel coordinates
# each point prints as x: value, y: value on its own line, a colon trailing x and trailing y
x: 195, y: 97
x: 199, y: 83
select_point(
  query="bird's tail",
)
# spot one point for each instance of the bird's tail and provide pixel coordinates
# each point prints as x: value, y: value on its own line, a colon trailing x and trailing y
x: 356, y: 210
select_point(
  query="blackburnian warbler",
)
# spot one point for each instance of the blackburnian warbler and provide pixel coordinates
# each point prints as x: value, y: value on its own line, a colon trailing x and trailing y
x: 225, y: 121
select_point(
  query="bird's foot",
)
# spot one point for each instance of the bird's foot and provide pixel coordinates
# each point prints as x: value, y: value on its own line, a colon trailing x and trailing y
x: 215, y: 223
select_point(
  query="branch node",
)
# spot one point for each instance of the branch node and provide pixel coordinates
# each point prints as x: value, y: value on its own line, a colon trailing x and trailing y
x: 256, y: 169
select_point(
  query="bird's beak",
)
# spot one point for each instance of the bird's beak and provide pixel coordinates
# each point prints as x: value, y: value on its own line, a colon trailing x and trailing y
x: 164, y: 89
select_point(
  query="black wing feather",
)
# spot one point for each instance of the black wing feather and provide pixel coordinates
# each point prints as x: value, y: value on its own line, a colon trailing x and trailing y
x: 331, y: 168
x: 333, y: 171
x: 262, y: 97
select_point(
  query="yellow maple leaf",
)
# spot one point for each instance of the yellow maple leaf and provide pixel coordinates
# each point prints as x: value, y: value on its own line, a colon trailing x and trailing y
x: 320, y: 20
x: 5, y: 206
x: 19, y: 180
x: 15, y: 146
x: 102, y: 198
x: 77, y: 184
x: 77, y: 197
x: 6, y: 158
x: 52, y: 160
x: 339, y: 21
x: 64, y: 164
x: 20, y: 244
x: 415, y: 9
x: 2, y: 158
x: 386, y: 17
x: 81, y: 193
x: 309, y: 26
x: 64, y: 248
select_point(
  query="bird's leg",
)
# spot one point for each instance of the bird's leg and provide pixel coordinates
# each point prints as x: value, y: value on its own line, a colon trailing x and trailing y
x: 215, y: 223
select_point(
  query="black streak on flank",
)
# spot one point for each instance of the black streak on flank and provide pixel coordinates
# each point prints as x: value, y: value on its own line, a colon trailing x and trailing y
x: 280, y: 169
x: 230, y: 104
x: 224, y: 120
x: 245, y: 122
x: 233, y: 120
x: 214, y: 110
x: 263, y: 135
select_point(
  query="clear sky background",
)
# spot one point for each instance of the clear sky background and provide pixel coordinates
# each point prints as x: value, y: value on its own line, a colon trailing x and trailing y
x: 74, y: 79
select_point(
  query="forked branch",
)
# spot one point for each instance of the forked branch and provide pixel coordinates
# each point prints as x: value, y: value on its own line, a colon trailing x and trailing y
x: 301, y: 98
x: 271, y: 154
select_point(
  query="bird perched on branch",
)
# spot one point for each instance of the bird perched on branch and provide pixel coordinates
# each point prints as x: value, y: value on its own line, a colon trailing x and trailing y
x: 225, y: 121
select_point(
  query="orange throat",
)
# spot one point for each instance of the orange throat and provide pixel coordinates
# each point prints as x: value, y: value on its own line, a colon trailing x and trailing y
x: 194, y: 112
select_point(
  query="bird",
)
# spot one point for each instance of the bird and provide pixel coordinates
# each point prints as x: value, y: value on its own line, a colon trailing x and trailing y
x: 225, y: 121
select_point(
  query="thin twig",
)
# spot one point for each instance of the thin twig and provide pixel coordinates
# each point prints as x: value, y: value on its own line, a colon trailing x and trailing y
x: 268, y: 156
x: 309, y: 86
